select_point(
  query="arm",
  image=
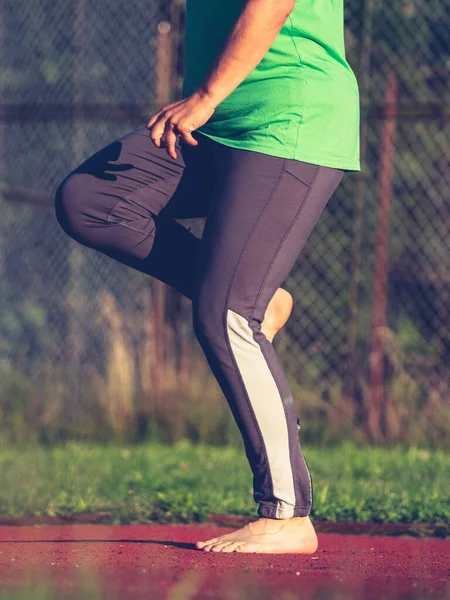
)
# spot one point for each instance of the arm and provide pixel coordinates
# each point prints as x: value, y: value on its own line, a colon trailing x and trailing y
x: 251, y: 37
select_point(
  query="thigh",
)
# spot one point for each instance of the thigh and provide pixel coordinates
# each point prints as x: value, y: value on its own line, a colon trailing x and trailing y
x: 193, y: 195
x: 261, y: 215
x: 132, y: 178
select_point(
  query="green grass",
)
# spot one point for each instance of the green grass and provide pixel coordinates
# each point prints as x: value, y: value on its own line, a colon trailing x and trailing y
x: 185, y: 483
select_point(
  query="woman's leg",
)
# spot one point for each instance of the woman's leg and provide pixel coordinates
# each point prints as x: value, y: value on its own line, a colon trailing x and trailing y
x: 260, y: 209
x: 123, y: 200
x: 261, y: 215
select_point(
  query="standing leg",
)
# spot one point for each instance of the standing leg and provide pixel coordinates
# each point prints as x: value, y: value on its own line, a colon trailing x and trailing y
x: 262, y: 213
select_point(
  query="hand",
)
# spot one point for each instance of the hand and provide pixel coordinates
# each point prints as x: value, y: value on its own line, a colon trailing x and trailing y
x: 180, y: 119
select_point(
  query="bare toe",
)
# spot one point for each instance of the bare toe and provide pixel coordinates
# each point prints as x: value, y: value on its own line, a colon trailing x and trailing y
x: 208, y: 547
x: 201, y: 545
x: 218, y: 547
x: 246, y: 547
x: 231, y: 546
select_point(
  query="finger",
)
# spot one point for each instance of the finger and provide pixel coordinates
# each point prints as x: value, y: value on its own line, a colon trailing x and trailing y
x: 188, y: 138
x: 171, y: 138
x: 153, y: 119
x: 157, y: 130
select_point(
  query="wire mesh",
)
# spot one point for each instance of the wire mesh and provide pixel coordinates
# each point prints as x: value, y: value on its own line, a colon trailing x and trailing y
x: 111, y: 346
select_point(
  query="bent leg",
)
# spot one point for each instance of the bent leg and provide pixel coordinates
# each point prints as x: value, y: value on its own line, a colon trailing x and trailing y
x: 261, y: 216
x: 122, y: 201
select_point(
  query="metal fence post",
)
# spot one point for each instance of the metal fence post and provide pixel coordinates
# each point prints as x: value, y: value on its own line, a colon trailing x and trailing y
x: 377, y: 413
x: 75, y: 296
x: 350, y: 383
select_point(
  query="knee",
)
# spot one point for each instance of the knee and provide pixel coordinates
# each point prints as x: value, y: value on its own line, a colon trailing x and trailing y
x: 68, y: 205
x: 208, y: 317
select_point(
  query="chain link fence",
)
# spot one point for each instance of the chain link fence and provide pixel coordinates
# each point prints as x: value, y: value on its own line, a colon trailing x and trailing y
x: 92, y: 349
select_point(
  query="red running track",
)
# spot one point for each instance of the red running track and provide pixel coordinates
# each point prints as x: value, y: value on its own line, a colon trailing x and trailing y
x: 160, y: 562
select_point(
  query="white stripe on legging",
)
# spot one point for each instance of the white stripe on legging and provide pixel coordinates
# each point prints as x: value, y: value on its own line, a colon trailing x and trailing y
x: 267, y: 405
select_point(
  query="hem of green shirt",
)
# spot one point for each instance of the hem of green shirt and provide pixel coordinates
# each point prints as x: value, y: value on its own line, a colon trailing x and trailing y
x: 324, y: 161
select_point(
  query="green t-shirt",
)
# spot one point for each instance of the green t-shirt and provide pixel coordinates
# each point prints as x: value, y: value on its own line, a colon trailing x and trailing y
x: 300, y: 102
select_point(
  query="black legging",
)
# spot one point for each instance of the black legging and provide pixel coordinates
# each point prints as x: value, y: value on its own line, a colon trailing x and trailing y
x: 259, y: 211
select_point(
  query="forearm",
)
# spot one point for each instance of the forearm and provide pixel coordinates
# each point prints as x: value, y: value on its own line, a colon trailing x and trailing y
x: 251, y: 37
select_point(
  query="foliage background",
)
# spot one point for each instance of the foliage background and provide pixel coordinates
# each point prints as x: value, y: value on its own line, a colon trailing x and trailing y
x: 92, y: 350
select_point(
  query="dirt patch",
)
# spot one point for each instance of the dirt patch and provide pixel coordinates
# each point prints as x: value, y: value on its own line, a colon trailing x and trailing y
x: 132, y: 560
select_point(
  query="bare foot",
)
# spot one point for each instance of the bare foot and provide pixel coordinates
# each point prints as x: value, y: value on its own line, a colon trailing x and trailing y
x: 269, y: 536
x: 277, y: 313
